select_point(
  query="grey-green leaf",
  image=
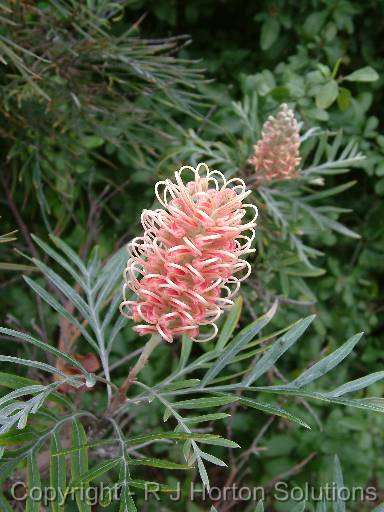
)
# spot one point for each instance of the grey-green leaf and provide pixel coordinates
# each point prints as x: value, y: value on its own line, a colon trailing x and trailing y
x: 355, y: 385
x: 43, y: 346
x: 327, y: 363
x: 206, y: 417
x: 203, y: 472
x: 273, y: 409
x: 212, y: 459
x: 238, y: 343
x: 200, y: 403
x: 186, y: 347
x: 49, y: 299
x: 277, y: 350
x: 230, y: 324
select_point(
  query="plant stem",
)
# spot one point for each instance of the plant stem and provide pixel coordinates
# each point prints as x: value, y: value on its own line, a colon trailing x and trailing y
x: 141, y: 362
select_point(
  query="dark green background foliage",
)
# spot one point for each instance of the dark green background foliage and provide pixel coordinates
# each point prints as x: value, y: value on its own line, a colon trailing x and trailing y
x: 101, y: 99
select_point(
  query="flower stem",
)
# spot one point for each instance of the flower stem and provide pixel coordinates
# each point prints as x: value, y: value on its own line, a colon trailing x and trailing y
x: 141, y: 362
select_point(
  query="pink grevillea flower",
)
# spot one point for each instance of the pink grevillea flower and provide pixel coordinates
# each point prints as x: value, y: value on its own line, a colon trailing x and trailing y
x: 276, y: 155
x: 187, y: 267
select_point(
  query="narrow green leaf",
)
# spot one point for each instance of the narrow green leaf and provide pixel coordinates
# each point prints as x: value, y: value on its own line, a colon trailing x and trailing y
x: 70, y: 293
x: 189, y: 456
x: 248, y: 355
x: 15, y: 437
x: 338, y: 227
x: 186, y: 347
x: 49, y: 299
x: 220, y: 441
x: 43, y: 346
x: 126, y: 501
x: 110, y: 276
x: 158, y: 463
x: 33, y: 481
x: 58, y: 473
x: 332, y: 191
x: 42, y: 200
x: 207, y: 417
x: 203, y: 472
x: 200, y: 403
x: 112, y: 310
x: 139, y: 439
x: 273, y: 409
x: 95, y: 444
x: 177, y: 436
x: 357, y: 384
x: 230, y: 324
x: 376, y: 403
x: 181, y: 384
x: 13, y: 381
x: 260, y: 507
x: 277, y: 350
x: 41, y: 366
x: 17, y: 267
x: 18, y: 393
x: 229, y: 376
x: 69, y: 252
x: 371, y: 404
x: 79, y: 462
x: 321, y: 507
x: 151, y: 486
x: 212, y: 459
x: 327, y: 363
x: 167, y: 414
x: 95, y: 472
x: 119, y: 324
x: 59, y: 259
x: 339, y: 504
x: 238, y: 343
x: 10, y: 380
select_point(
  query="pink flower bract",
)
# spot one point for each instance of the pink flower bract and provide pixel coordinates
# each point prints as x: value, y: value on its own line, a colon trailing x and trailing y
x: 276, y: 155
x: 187, y: 267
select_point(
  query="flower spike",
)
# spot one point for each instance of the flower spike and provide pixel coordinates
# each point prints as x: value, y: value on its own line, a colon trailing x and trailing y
x: 276, y: 155
x: 187, y: 267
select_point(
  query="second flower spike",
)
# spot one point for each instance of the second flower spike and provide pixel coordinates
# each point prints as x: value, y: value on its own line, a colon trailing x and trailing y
x: 276, y: 154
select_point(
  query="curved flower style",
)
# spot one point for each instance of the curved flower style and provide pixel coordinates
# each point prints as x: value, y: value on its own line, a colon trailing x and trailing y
x: 187, y: 267
x: 276, y: 155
